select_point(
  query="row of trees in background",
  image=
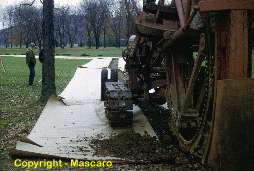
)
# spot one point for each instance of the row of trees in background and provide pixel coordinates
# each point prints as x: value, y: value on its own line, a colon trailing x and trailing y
x: 93, y: 23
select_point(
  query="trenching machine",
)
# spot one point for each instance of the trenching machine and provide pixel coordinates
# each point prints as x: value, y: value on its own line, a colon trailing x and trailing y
x: 196, y: 56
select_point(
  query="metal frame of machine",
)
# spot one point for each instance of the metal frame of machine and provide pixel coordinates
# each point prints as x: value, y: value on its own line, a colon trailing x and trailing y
x: 187, y: 53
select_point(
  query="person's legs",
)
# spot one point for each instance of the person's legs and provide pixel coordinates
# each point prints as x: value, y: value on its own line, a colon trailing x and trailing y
x: 32, y: 74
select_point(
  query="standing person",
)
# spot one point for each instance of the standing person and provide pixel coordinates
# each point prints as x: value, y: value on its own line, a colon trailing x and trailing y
x: 31, y: 62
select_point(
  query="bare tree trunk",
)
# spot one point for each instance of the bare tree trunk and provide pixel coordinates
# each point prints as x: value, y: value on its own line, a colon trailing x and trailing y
x: 20, y: 39
x: 104, y: 36
x: 119, y: 33
x: 61, y: 40
x: 97, y: 40
x: 11, y: 37
x: 128, y: 17
x: 72, y: 44
x: 119, y: 39
x: 48, y: 69
x: 89, y: 39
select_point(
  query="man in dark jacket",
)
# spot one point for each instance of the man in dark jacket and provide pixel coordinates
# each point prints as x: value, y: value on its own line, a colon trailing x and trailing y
x: 31, y: 62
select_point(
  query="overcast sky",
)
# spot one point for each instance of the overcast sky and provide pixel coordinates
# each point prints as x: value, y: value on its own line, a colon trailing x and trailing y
x: 4, y: 3
x: 57, y: 2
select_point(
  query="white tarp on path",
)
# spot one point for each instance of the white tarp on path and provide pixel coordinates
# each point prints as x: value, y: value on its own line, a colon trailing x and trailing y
x: 64, y: 129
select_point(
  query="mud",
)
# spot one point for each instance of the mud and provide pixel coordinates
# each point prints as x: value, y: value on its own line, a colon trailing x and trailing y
x: 148, y: 153
x: 145, y: 153
x: 133, y: 147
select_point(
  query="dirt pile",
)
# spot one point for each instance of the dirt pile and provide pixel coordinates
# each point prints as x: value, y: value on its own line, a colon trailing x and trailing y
x: 148, y: 150
x: 134, y: 147
x: 139, y: 149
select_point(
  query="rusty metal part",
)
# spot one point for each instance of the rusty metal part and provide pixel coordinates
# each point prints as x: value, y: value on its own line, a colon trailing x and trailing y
x: 234, y: 96
x: 180, y: 10
x: 232, y: 48
x: 215, y: 5
x: 146, y: 25
x: 187, y: 10
x: 195, y: 71
x: 219, y: 32
x: 170, y: 36
x: 233, y: 141
x: 190, y: 124
x: 143, y: 60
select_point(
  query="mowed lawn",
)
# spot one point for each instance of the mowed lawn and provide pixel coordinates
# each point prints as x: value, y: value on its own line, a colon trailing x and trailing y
x: 19, y: 104
x: 78, y: 52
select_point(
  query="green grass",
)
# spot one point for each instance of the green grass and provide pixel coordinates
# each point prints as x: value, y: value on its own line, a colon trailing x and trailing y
x: 104, y: 52
x: 12, y: 51
x: 19, y: 104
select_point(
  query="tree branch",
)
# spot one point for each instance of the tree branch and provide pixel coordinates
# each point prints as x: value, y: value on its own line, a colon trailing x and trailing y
x: 29, y: 4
